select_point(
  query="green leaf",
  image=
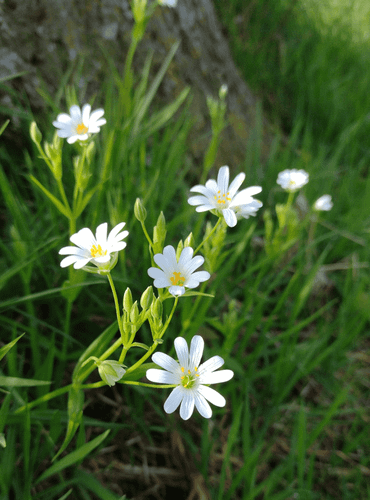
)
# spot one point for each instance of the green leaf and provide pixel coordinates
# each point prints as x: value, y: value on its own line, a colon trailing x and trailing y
x: 21, y: 382
x: 85, y: 200
x: 4, y: 126
x: 96, y: 348
x: 62, y: 209
x: 75, y: 405
x: 7, y: 347
x: 66, y: 495
x: 73, y: 457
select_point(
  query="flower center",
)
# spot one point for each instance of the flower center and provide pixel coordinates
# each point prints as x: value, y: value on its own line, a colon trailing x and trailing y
x: 177, y: 279
x: 292, y: 183
x: 97, y: 251
x: 222, y: 199
x: 188, y: 380
x: 81, y: 129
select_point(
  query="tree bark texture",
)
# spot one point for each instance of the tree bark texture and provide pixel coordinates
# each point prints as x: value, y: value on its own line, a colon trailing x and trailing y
x: 43, y: 37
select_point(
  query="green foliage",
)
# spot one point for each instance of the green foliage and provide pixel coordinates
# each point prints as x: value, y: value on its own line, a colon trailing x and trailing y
x: 287, y: 305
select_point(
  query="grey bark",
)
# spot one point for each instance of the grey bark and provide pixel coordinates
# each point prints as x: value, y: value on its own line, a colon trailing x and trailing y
x: 43, y: 36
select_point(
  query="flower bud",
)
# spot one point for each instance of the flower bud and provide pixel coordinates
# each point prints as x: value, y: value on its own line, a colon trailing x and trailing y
x: 147, y: 298
x: 127, y: 300
x: 190, y: 242
x: 156, y: 309
x: 159, y: 233
x: 139, y: 210
x: 179, y: 249
x: 111, y: 371
x: 134, y: 313
x: 35, y: 133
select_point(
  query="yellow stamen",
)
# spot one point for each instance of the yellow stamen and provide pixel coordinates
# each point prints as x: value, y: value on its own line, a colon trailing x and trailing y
x: 97, y: 252
x: 222, y: 199
x: 177, y: 279
x: 182, y: 369
x: 81, y: 129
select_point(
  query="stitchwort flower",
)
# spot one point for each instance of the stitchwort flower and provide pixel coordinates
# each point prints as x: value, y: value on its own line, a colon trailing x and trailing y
x: 190, y: 378
x: 168, y: 3
x: 292, y: 180
x: 225, y: 200
x: 96, y: 249
x: 78, y: 125
x: 323, y: 203
x: 177, y: 274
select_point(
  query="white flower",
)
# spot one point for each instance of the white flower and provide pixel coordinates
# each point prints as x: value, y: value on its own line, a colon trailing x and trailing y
x: 324, y: 203
x: 177, y: 275
x: 190, y: 378
x: 96, y: 249
x: 78, y: 125
x: 111, y: 371
x: 168, y: 3
x: 225, y: 199
x: 291, y: 180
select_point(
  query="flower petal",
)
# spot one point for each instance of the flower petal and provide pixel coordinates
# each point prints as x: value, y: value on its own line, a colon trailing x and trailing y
x: 86, y: 114
x: 230, y: 217
x: 198, y: 200
x: 161, y: 376
x: 165, y: 361
x: 196, y: 351
x: 176, y: 290
x: 170, y: 254
x: 185, y: 257
x: 174, y: 399
x: 195, y: 262
x: 202, y: 406
x: 235, y: 185
x: 187, y: 404
x: 213, y: 396
x: 201, y: 189
x: 182, y: 352
x: 216, y: 377
x: 211, y: 365
x: 223, y: 179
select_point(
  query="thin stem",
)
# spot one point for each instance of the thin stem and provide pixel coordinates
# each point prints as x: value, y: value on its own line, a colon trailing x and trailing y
x: 63, y: 195
x: 210, y: 234
x: 46, y: 397
x: 118, y: 313
x: 141, y: 360
x: 169, y: 318
x: 132, y: 382
x: 146, y: 234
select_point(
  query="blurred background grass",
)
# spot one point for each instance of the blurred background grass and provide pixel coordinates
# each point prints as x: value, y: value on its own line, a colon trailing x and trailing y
x: 297, y: 417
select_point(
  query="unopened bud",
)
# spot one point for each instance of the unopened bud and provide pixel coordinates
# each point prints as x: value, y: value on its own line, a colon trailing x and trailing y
x: 147, y: 298
x: 157, y: 309
x: 139, y: 210
x: 35, y: 133
x: 127, y: 300
x: 134, y: 313
x: 179, y: 249
x: 111, y: 371
x: 189, y: 242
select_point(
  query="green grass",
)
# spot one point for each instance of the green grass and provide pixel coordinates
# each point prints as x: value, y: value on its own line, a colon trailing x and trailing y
x: 292, y: 326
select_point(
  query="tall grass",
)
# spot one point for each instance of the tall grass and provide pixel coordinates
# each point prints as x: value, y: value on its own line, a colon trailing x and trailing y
x: 293, y: 326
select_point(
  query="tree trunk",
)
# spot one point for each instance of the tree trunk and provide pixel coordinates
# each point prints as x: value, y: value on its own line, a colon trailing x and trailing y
x: 43, y: 36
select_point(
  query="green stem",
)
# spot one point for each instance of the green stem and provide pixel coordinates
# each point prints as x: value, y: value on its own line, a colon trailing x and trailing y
x: 141, y: 360
x: 210, y: 234
x: 118, y: 313
x: 169, y: 318
x: 46, y: 397
x: 147, y: 235
x: 132, y: 382
x: 63, y: 195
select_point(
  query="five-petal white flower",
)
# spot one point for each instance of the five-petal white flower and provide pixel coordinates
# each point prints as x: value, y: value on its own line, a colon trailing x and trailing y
x: 292, y: 180
x: 79, y: 124
x: 97, y: 249
x: 324, y: 203
x: 177, y: 274
x: 190, y: 378
x: 225, y: 199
